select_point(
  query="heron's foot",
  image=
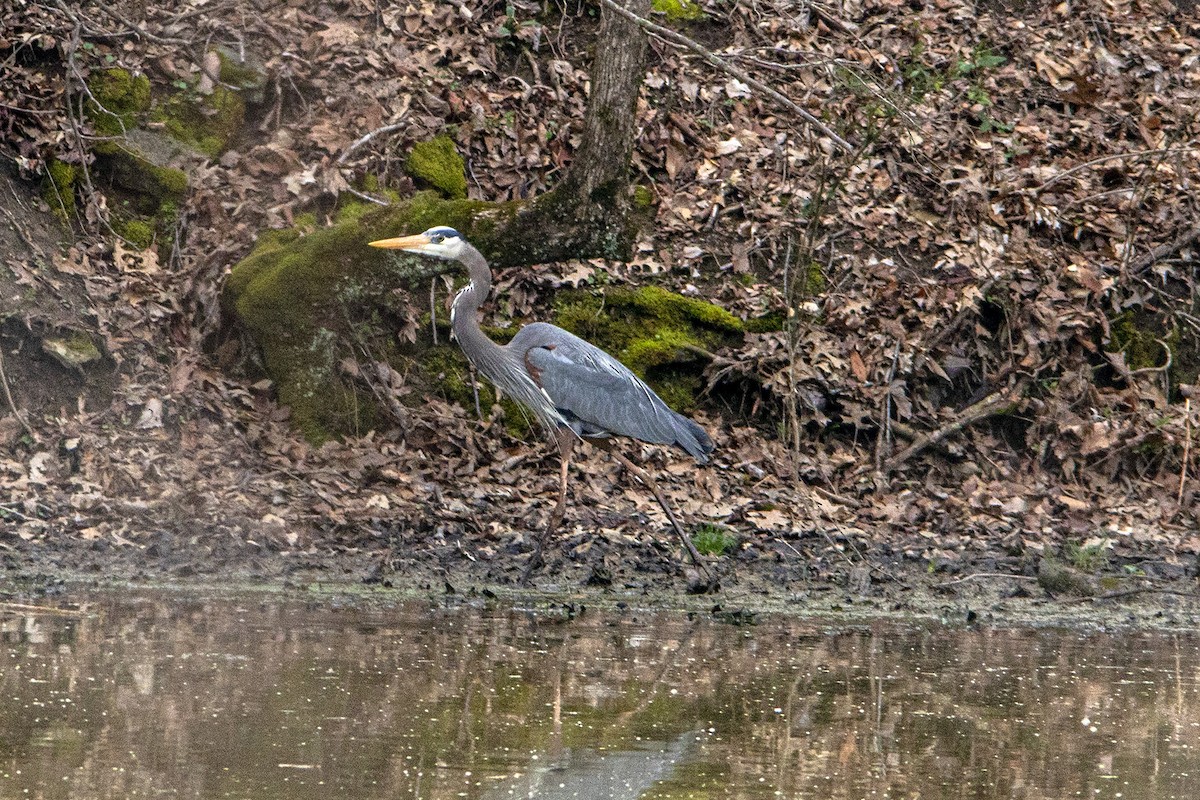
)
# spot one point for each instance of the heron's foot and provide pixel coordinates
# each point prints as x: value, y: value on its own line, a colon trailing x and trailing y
x: 536, y: 559
x: 534, y: 563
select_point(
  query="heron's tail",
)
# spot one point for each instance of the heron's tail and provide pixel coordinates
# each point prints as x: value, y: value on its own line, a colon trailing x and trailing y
x: 692, y: 438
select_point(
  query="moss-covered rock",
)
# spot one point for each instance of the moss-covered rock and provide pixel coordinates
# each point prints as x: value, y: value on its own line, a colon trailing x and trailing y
x: 658, y: 334
x: 309, y: 298
x: 118, y: 98
x: 58, y: 188
x: 143, y: 164
x: 206, y: 122
x: 138, y: 232
x: 74, y: 350
x: 244, y: 74
x: 439, y: 165
x: 677, y: 10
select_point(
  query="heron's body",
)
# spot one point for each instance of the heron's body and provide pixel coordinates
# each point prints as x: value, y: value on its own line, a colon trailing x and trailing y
x: 575, y: 389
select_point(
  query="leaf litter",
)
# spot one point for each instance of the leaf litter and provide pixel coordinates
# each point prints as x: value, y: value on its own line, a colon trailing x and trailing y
x: 947, y: 396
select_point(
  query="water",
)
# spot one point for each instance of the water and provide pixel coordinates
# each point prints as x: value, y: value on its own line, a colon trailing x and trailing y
x: 170, y: 696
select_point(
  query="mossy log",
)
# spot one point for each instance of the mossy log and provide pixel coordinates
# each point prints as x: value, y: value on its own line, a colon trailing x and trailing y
x: 310, y: 300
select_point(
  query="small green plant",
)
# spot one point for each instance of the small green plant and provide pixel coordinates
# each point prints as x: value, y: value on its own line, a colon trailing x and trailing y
x: 1086, y: 558
x: 989, y: 124
x: 713, y: 540
x: 981, y: 58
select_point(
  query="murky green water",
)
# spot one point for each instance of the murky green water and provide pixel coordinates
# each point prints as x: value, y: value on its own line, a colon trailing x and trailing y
x: 169, y: 696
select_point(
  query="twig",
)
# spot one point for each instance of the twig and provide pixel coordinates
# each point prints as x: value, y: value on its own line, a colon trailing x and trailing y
x: 979, y: 575
x: 362, y: 140
x: 32, y: 609
x: 1144, y: 262
x: 433, y: 309
x: 993, y: 404
x: 724, y: 66
x: 1110, y: 157
x: 11, y: 403
x: 1164, y: 368
x: 359, y: 142
x: 1131, y: 593
x: 885, y: 424
x: 1187, y: 446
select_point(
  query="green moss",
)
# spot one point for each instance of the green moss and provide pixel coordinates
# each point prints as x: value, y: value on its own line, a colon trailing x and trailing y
x: 304, y: 298
x: 438, y: 164
x: 137, y: 232
x: 250, y: 80
x: 73, y: 351
x: 117, y: 98
x: 679, y: 10
x: 767, y: 323
x: 135, y: 172
x: 58, y: 188
x: 1139, y: 335
x: 658, y: 334
x: 713, y: 540
x: 643, y: 198
x: 814, y: 280
x: 206, y: 122
x: 657, y: 349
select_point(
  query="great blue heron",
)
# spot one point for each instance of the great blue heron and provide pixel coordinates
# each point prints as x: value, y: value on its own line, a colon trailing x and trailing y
x: 575, y: 389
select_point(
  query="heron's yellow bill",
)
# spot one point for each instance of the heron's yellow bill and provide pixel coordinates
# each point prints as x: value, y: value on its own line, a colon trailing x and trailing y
x: 402, y: 242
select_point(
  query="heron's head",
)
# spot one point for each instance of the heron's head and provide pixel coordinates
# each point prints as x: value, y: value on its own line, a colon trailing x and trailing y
x: 439, y: 241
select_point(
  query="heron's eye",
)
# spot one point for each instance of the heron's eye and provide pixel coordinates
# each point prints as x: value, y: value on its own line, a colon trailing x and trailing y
x: 437, y: 238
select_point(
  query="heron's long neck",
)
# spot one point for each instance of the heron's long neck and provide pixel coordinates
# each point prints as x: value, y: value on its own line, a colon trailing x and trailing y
x: 485, y: 354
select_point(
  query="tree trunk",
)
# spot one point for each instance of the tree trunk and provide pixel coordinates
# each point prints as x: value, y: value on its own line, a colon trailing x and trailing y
x: 588, y: 213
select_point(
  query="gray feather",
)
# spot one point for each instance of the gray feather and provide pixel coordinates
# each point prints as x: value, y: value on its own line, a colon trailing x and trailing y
x: 599, y: 396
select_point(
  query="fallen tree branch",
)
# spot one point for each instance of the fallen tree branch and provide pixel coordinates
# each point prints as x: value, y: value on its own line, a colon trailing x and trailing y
x: 1145, y: 262
x: 11, y: 403
x: 980, y: 575
x: 724, y: 66
x: 995, y: 403
x: 1130, y: 593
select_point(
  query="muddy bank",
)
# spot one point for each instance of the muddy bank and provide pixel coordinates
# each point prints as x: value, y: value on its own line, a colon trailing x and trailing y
x: 750, y: 584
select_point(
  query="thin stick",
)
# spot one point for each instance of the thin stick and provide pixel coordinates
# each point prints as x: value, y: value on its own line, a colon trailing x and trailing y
x: 885, y: 425
x: 978, y: 575
x: 11, y: 403
x: 724, y: 66
x: 1130, y: 593
x: 993, y: 404
x: 433, y: 309
x: 26, y: 608
x: 1144, y: 262
x: 362, y: 140
x: 1187, y: 446
x: 1109, y: 157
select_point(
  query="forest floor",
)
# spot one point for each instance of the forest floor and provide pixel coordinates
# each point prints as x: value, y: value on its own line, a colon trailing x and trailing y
x: 980, y: 403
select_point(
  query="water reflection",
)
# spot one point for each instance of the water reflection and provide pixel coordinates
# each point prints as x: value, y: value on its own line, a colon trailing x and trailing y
x: 163, y: 695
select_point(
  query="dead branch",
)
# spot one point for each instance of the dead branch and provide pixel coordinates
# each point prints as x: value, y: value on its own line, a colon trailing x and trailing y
x: 1102, y: 159
x: 724, y: 66
x: 1144, y: 262
x: 1187, y: 446
x: 995, y: 403
x: 981, y: 575
x: 362, y: 140
x: 1130, y: 593
x: 11, y: 403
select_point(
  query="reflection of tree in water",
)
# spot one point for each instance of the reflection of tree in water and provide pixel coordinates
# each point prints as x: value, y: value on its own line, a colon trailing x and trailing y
x: 213, y: 697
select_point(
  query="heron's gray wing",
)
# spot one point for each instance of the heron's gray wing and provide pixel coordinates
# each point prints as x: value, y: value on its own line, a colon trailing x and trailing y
x: 587, y: 383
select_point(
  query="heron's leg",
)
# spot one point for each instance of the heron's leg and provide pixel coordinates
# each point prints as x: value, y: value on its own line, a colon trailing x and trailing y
x: 565, y: 439
x: 652, y: 485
